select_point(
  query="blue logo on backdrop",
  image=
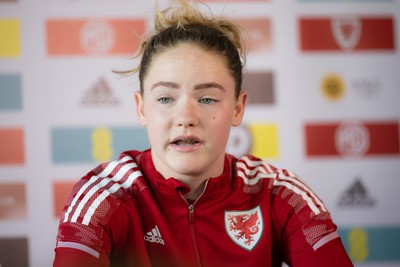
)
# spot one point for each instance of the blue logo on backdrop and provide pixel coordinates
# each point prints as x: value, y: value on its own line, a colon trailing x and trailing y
x: 10, y: 92
x: 82, y: 145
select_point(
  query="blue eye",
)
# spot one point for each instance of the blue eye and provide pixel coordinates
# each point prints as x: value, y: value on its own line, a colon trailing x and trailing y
x: 164, y: 100
x: 207, y: 101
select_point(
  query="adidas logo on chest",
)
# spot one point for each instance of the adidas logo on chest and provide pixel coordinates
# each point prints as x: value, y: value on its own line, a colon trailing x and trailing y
x: 154, y: 236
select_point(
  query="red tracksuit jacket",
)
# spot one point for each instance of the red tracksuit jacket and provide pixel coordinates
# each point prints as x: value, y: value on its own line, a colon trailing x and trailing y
x: 124, y: 213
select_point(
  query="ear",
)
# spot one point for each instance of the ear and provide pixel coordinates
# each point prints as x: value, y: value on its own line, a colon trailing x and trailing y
x: 139, y: 108
x: 239, y: 109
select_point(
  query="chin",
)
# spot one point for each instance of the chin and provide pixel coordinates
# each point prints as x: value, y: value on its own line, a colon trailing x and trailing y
x: 186, y: 169
x: 193, y: 167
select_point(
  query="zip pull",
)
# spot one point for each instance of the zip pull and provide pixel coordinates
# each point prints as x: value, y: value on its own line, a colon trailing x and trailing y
x: 191, y: 213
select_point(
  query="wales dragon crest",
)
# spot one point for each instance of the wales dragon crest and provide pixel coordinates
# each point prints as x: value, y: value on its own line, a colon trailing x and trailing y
x: 244, y: 227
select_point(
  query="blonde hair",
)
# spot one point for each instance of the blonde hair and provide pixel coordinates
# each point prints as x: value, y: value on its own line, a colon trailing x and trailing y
x: 186, y: 24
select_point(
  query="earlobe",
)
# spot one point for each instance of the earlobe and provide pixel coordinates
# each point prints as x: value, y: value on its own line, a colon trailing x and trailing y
x: 239, y: 109
x: 139, y: 108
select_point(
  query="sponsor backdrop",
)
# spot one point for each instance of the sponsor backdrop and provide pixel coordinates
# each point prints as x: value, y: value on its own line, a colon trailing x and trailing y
x: 323, y: 77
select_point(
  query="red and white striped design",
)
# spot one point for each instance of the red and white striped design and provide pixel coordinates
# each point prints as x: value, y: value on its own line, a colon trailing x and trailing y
x: 125, y: 174
x: 252, y: 169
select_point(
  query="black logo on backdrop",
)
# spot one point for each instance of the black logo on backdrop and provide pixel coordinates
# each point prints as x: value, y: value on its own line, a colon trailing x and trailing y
x: 100, y: 94
x: 356, y: 196
x: 14, y: 252
x: 260, y: 86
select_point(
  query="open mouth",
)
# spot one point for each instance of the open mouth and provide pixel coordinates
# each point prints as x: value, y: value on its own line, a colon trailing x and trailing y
x: 186, y: 142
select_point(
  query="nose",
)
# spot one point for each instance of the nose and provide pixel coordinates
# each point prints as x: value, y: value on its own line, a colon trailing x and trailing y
x: 187, y: 114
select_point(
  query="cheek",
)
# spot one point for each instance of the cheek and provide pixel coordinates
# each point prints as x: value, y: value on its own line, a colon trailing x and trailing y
x: 156, y: 124
x: 154, y: 132
x: 219, y: 125
x: 215, y: 118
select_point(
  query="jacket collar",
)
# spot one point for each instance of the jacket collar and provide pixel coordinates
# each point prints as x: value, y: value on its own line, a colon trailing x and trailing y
x: 174, y: 187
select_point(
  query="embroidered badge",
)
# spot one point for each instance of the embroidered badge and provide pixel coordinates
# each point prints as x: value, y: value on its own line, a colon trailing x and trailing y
x: 244, y: 227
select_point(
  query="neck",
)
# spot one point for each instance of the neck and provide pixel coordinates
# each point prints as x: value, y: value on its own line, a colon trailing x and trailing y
x: 197, y: 189
x: 194, y: 179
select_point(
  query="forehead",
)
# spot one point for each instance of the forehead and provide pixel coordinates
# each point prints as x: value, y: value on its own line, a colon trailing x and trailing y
x: 188, y: 62
x: 190, y: 50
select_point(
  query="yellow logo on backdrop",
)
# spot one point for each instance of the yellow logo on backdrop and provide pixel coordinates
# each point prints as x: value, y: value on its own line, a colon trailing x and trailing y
x: 333, y: 87
x: 265, y: 140
x: 102, y: 149
x: 358, y: 241
x: 10, y: 38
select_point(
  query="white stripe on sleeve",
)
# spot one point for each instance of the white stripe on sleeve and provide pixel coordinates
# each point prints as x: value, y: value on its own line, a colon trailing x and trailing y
x: 325, y: 240
x: 94, y: 253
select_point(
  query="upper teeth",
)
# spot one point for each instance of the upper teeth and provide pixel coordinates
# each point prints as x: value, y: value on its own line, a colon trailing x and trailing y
x: 185, y: 142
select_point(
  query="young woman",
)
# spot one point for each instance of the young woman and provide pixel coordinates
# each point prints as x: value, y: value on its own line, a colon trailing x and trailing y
x: 185, y: 202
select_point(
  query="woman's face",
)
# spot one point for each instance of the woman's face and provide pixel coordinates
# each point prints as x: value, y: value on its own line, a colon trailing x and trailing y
x: 188, y: 106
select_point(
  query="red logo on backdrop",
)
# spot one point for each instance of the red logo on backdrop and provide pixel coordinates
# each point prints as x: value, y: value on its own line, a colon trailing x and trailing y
x: 352, y: 139
x: 12, y: 201
x: 347, y: 33
x: 97, y: 36
x: 93, y: 37
x: 257, y: 34
x: 61, y: 191
x: 12, y: 146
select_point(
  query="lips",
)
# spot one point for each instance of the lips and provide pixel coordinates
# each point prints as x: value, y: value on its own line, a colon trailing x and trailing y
x: 186, y: 144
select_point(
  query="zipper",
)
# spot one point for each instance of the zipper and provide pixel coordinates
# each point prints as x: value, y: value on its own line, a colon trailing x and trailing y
x: 193, y: 234
x: 191, y: 219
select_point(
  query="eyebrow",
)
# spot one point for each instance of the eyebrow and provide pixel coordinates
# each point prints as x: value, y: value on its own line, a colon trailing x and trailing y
x: 209, y: 85
x: 165, y: 84
x: 197, y: 87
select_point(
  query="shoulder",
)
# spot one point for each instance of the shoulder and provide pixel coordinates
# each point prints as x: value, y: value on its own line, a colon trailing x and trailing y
x: 254, y: 173
x: 290, y: 188
x: 251, y: 169
x: 258, y: 174
x: 294, y: 205
x: 96, y: 196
